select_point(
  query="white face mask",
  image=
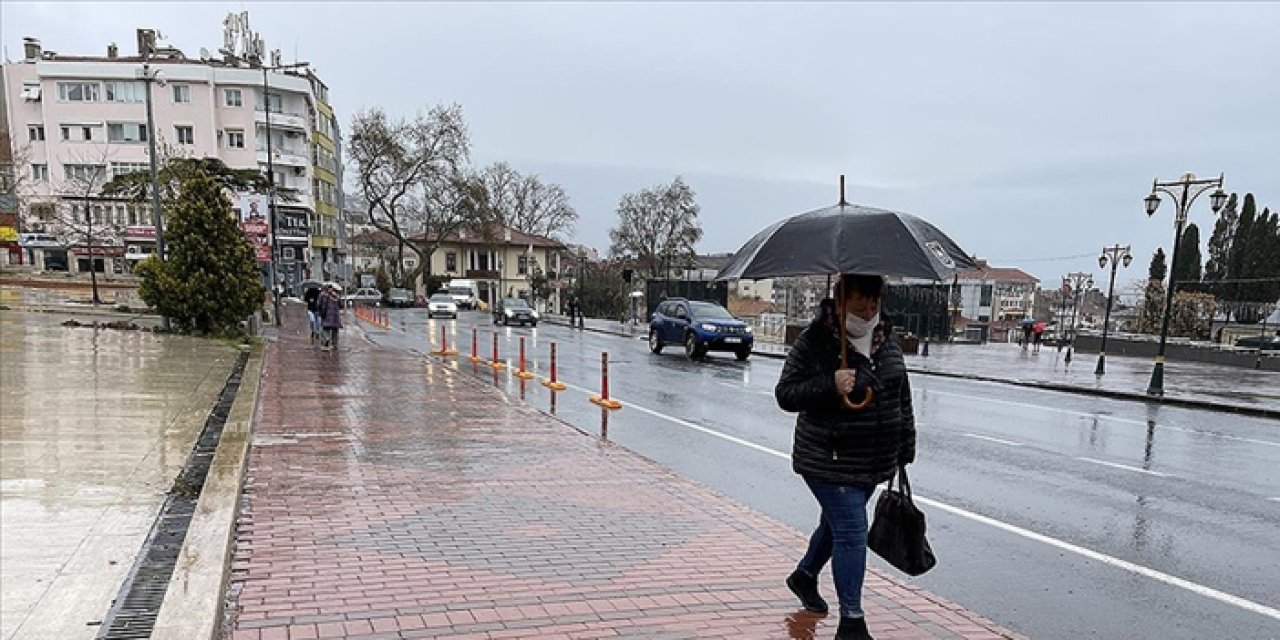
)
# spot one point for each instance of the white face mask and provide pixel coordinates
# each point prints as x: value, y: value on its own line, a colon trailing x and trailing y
x: 859, y: 328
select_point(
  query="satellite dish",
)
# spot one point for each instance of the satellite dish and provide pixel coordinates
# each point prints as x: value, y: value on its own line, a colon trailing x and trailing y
x: 204, y: 53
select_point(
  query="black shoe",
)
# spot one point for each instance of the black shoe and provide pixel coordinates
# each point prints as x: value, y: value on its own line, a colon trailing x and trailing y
x: 805, y: 587
x: 853, y: 629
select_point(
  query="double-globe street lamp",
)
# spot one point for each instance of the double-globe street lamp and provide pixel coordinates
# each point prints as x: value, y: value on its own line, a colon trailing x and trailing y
x: 1115, y: 256
x: 1183, y: 192
x: 1077, y: 282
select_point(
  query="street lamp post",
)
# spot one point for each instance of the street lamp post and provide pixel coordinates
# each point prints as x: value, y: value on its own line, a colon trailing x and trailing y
x: 148, y: 78
x: 1078, y: 281
x: 1114, y: 256
x: 1062, y: 310
x: 1183, y: 192
x: 271, y: 182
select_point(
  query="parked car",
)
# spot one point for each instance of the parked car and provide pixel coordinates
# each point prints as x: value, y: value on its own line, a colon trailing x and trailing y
x: 1267, y: 343
x: 699, y: 326
x: 511, y: 310
x: 363, y: 296
x: 442, y: 304
x: 400, y: 298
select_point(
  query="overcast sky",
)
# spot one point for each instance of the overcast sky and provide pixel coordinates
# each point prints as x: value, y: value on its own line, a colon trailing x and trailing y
x: 1028, y: 132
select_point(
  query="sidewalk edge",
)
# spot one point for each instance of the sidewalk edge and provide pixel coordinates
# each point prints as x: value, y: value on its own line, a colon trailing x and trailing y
x: 192, y: 606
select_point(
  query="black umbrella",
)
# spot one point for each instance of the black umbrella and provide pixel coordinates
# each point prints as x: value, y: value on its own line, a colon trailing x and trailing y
x: 844, y: 239
x: 848, y: 238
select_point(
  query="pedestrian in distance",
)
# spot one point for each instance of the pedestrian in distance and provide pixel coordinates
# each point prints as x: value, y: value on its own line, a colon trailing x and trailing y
x: 312, y: 298
x: 1027, y: 330
x: 1037, y: 334
x: 330, y: 317
x: 842, y: 453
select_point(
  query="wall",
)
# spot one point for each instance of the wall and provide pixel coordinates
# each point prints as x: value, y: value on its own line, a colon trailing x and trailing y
x: 1176, y: 351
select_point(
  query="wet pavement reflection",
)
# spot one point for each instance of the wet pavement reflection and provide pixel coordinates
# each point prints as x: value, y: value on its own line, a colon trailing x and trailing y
x: 95, y: 424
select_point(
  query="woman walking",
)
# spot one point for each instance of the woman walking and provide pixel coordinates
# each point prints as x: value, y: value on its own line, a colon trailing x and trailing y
x: 841, y: 452
x: 330, y: 317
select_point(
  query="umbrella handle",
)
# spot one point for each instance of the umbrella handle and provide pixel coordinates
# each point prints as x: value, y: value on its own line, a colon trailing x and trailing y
x: 850, y: 405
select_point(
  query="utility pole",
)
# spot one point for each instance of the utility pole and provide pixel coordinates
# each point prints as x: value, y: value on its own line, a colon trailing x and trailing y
x: 147, y: 38
x: 271, y: 185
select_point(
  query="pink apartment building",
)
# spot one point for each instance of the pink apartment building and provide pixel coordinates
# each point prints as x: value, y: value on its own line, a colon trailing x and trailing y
x: 77, y: 121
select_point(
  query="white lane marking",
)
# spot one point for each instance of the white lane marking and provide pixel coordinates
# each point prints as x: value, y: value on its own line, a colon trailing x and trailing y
x: 995, y: 440
x: 1159, y: 576
x: 739, y: 387
x: 1126, y: 467
x: 1085, y: 414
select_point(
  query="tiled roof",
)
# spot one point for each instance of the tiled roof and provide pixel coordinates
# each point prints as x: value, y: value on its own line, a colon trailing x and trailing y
x: 476, y: 237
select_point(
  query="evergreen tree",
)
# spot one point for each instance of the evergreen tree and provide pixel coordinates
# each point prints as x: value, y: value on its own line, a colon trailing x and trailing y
x: 1186, y: 277
x: 210, y: 281
x: 1158, y: 270
x: 1219, y: 249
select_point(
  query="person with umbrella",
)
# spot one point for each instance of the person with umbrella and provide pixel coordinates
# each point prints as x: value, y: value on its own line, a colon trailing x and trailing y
x: 1037, y: 334
x: 1028, y: 326
x: 843, y: 453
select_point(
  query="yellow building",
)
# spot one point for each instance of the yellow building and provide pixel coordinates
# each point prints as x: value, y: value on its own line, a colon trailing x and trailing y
x: 325, y: 263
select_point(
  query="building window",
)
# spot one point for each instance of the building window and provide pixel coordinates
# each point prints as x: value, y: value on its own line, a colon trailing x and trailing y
x: 35, y: 133
x: 78, y: 91
x: 126, y: 132
x: 451, y: 261
x: 522, y: 265
x: 287, y: 253
x: 83, y: 172
x: 182, y: 93
x: 124, y: 168
x: 40, y: 172
x: 410, y: 263
x: 985, y: 300
x: 81, y: 132
x: 275, y: 104
x: 233, y: 97
x: 125, y: 92
x: 235, y: 139
x: 30, y: 92
x: 185, y: 134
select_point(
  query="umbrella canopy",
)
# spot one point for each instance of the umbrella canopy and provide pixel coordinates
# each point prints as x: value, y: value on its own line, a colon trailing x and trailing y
x: 848, y: 239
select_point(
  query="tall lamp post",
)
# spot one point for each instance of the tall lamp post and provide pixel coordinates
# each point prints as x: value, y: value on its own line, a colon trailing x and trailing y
x: 147, y: 42
x: 1062, y: 310
x: 1183, y: 192
x: 1115, y: 256
x: 1078, y: 282
x: 271, y: 182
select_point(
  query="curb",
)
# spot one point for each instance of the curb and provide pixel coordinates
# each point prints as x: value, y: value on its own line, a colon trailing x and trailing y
x: 1259, y: 412
x: 192, y: 606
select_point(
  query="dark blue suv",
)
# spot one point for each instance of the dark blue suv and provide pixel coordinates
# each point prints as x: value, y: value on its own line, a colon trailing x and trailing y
x: 700, y: 327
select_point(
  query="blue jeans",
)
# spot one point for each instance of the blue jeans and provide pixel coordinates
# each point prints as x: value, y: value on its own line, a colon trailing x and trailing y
x: 314, y: 319
x: 841, y: 537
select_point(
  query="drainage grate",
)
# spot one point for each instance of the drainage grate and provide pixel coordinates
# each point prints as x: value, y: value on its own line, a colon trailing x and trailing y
x: 133, y: 612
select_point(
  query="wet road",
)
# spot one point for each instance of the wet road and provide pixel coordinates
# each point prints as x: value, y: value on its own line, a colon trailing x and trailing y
x: 1058, y: 515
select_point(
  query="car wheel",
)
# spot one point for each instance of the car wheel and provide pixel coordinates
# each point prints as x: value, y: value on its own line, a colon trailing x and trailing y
x: 655, y: 343
x: 743, y: 354
x: 691, y: 348
x: 533, y: 324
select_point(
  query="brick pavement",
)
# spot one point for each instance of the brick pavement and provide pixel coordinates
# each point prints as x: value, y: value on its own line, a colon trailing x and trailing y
x: 388, y: 496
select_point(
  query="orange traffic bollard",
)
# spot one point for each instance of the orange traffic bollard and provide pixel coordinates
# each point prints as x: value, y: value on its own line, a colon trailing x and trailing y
x: 497, y: 364
x: 551, y: 383
x: 444, y: 349
x: 523, y: 373
x: 475, y: 340
x: 603, y: 398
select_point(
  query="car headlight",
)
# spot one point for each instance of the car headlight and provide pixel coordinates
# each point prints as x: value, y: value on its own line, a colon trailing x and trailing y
x: 534, y: 314
x: 709, y: 327
x: 749, y: 330
x: 509, y: 312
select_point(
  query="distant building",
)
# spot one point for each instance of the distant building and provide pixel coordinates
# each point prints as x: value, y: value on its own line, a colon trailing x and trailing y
x: 79, y: 121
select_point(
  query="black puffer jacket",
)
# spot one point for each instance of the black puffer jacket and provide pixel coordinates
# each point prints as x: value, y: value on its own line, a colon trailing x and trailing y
x: 833, y: 443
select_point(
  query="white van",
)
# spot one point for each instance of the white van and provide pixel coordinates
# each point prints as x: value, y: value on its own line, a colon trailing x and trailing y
x: 464, y: 293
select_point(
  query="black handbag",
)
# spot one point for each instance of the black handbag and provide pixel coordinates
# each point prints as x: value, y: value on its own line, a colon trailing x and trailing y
x: 898, y: 532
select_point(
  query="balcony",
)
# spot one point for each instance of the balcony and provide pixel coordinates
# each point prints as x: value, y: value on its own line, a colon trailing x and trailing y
x: 286, y: 156
x: 281, y: 120
x: 482, y: 274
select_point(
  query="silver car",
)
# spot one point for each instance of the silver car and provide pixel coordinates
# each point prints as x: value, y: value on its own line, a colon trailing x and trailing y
x: 442, y: 304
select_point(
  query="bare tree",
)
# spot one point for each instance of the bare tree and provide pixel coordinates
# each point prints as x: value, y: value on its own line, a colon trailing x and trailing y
x: 409, y: 173
x: 80, y: 212
x: 527, y: 204
x: 657, y: 227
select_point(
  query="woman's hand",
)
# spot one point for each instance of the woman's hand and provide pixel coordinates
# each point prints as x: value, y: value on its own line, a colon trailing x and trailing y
x: 845, y: 379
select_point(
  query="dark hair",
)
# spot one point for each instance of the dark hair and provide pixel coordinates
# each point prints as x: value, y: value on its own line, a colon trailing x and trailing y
x: 865, y: 286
